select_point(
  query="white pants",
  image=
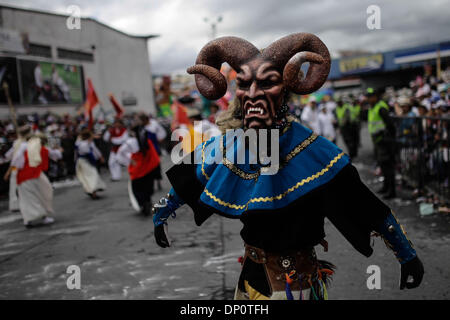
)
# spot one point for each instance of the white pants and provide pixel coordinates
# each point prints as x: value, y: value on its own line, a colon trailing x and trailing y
x: 35, y: 198
x: 114, y: 167
x: 13, y: 200
x: 88, y: 176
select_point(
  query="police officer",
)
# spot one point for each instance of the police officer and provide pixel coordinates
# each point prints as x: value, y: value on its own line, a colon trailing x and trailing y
x: 356, y: 122
x: 382, y: 130
x: 348, y: 121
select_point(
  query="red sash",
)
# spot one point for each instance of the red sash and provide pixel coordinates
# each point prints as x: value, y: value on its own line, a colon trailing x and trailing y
x: 27, y: 172
x: 115, y: 133
x: 143, y: 164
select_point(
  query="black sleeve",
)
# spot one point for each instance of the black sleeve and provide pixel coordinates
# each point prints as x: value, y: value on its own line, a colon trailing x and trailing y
x: 184, y: 181
x: 353, y: 209
x: 384, y: 114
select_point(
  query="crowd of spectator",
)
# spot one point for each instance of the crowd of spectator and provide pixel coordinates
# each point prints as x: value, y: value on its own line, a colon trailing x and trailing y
x: 60, y: 132
x: 420, y: 109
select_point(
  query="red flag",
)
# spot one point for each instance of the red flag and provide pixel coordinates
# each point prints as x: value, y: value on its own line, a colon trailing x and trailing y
x: 116, y: 105
x: 180, y: 115
x: 91, y: 102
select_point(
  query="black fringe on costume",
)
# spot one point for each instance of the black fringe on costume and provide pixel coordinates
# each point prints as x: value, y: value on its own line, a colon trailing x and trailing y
x: 323, y: 264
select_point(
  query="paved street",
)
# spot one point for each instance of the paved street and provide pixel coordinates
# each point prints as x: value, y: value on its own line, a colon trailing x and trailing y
x: 115, y: 249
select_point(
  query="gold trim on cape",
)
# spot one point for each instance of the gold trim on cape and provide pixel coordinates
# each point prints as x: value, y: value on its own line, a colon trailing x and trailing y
x: 279, y: 196
x: 250, y: 176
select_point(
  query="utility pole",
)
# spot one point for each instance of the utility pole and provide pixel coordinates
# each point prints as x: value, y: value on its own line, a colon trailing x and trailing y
x: 438, y: 62
x: 213, y: 24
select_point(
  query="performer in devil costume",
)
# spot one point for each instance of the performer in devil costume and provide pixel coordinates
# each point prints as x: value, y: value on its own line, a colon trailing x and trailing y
x: 117, y: 135
x: 142, y: 159
x: 282, y: 214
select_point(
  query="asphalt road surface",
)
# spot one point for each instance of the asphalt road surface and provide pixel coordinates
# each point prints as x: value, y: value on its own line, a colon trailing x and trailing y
x: 118, y: 258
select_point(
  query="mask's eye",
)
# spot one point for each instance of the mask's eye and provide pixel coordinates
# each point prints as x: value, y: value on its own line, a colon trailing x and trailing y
x: 266, y: 84
x: 243, y: 85
x: 269, y: 82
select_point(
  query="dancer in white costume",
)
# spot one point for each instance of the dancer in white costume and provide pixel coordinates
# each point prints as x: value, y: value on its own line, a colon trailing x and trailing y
x: 117, y: 135
x: 156, y: 133
x: 142, y: 159
x: 24, y: 132
x: 86, y: 166
x: 34, y: 188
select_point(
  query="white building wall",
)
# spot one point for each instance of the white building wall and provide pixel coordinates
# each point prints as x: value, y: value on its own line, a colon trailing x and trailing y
x: 121, y: 62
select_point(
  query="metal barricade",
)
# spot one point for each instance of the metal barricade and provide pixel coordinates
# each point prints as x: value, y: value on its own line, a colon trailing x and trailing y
x: 424, y: 154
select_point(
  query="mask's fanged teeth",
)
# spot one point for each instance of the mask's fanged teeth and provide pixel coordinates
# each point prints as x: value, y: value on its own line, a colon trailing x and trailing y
x: 256, y: 110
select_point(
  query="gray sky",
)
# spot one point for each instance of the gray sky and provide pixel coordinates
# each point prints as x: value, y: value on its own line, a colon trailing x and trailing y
x: 340, y: 24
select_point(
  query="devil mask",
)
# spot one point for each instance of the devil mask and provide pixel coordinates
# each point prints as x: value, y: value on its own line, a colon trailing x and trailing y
x: 264, y: 78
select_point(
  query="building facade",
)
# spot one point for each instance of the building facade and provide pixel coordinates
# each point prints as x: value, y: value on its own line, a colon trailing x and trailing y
x: 391, y: 68
x: 47, y: 58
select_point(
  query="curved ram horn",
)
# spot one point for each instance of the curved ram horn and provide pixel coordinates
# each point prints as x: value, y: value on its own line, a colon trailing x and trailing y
x: 290, y: 52
x: 235, y: 51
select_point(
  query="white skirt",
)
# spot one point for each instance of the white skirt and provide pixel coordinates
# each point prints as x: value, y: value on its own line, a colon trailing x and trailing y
x: 88, y: 176
x: 13, y: 200
x: 134, y: 204
x: 35, y: 198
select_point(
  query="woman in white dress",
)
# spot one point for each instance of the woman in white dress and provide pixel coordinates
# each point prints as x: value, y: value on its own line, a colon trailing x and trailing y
x: 86, y: 167
x: 35, y: 192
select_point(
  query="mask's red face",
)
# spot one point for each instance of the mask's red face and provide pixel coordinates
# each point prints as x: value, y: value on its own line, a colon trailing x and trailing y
x: 260, y: 92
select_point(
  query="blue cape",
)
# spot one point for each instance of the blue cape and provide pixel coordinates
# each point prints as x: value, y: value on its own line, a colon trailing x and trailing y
x: 307, y: 161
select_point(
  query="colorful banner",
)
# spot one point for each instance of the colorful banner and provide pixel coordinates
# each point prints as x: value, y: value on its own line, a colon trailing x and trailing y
x: 361, y: 64
x: 47, y: 82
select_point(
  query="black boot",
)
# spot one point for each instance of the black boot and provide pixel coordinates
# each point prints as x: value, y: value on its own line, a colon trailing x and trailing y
x: 146, y: 209
x: 391, y: 193
x: 159, y: 185
x: 94, y: 196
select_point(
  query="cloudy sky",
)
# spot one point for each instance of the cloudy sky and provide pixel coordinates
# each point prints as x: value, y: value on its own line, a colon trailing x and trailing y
x: 183, y: 31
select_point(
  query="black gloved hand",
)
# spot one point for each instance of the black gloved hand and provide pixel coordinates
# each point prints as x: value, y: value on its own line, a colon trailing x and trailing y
x: 161, y: 236
x: 412, y: 268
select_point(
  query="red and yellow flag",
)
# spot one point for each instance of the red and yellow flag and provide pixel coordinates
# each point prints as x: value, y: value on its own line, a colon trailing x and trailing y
x: 91, y: 102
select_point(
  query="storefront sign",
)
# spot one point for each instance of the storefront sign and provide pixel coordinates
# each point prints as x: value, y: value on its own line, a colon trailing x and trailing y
x: 361, y: 64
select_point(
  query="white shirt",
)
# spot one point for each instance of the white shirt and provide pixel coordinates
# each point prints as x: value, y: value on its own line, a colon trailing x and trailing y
x: 331, y: 106
x: 424, y: 90
x: 310, y: 118
x: 9, y: 155
x: 326, y: 125
x: 116, y: 140
x: 84, y: 147
x: 154, y: 127
x: 125, y: 151
x: 18, y: 160
x: 38, y: 77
